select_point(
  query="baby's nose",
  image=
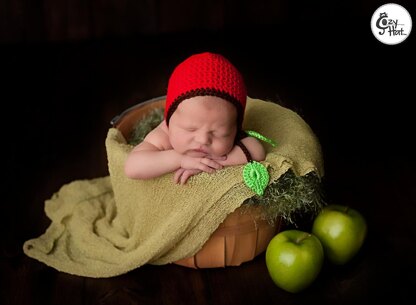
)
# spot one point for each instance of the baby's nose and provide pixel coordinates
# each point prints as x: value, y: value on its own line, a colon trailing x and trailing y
x: 203, y: 138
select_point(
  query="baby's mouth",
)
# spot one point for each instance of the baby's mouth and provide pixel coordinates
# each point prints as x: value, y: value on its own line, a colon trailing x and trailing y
x: 198, y: 152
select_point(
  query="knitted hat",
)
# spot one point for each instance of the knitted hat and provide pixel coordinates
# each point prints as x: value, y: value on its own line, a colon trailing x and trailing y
x: 206, y: 74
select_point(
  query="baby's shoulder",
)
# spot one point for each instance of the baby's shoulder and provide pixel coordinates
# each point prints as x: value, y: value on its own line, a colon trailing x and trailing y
x: 159, y: 137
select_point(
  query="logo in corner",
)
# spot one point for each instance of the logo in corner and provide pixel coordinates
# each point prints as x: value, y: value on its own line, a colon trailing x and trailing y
x: 391, y: 24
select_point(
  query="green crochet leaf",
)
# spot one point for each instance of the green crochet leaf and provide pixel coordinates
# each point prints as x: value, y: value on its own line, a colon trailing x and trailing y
x: 256, y: 177
x: 259, y: 136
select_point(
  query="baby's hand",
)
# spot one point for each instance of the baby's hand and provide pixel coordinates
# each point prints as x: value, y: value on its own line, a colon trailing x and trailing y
x: 182, y: 175
x: 204, y: 164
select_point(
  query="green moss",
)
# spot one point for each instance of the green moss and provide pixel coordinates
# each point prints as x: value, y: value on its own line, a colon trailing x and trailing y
x: 145, y: 125
x: 290, y: 197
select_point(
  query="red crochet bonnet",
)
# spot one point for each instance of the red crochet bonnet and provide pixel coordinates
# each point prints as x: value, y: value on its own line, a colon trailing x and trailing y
x: 206, y: 74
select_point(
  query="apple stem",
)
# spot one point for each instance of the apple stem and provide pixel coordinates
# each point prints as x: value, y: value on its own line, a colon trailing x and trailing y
x: 304, y: 236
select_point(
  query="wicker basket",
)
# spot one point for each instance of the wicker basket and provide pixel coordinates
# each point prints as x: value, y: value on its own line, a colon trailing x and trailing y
x: 243, y: 234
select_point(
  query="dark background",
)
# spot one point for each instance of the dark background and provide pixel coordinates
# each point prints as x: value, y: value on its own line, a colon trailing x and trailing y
x: 68, y: 67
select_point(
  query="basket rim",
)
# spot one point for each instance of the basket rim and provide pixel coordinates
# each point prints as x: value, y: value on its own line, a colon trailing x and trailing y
x: 115, y: 120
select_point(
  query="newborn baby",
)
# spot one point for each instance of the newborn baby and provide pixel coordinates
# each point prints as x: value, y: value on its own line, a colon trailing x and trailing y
x: 202, y: 126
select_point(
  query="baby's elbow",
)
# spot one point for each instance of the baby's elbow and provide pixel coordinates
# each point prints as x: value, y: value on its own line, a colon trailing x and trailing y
x: 131, y: 171
x: 255, y: 148
x: 138, y: 173
x: 259, y: 154
x: 135, y: 174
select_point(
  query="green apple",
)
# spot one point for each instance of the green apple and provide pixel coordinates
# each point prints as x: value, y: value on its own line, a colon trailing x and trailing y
x: 341, y: 230
x: 294, y: 259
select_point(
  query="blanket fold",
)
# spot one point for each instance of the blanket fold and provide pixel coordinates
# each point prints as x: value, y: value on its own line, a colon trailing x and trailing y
x: 110, y: 225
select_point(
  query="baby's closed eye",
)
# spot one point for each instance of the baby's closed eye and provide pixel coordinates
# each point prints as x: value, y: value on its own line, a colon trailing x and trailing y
x: 189, y: 128
x: 220, y: 134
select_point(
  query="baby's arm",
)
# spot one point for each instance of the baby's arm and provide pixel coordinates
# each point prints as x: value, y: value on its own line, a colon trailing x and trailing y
x: 237, y: 157
x: 147, y: 161
x: 152, y: 158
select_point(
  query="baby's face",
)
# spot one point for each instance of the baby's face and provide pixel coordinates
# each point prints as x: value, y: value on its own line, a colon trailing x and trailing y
x: 203, y: 126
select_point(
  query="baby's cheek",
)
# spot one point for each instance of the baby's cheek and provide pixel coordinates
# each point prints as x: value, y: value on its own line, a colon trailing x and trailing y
x: 224, y: 148
x: 177, y: 144
x: 179, y: 140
